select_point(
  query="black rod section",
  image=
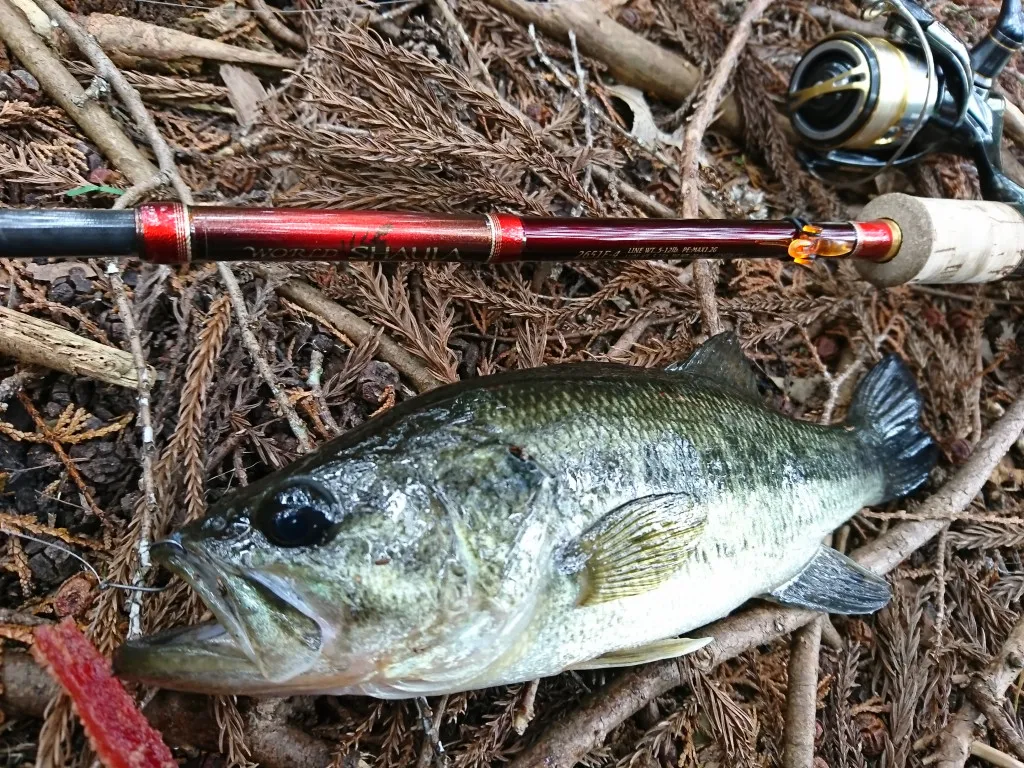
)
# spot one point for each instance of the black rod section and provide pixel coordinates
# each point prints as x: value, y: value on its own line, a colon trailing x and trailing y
x: 29, y: 234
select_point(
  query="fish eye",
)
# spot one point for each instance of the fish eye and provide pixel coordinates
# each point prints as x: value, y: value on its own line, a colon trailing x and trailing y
x: 296, y: 516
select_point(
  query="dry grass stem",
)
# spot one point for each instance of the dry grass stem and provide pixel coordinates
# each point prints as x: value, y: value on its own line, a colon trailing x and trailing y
x: 689, y: 192
x: 147, y: 446
x: 358, y: 329
x: 452, y: 20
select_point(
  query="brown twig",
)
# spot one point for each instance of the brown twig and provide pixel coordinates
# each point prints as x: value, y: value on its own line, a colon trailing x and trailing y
x: 55, y: 79
x: 138, y: 192
x: 703, y: 271
x: 620, y: 349
x: 802, y: 697
x: 275, y: 26
x: 569, y: 740
x: 431, y: 729
x: 840, y: 20
x: 253, y: 347
x: 309, y: 298
x: 956, y: 741
x: 453, y: 21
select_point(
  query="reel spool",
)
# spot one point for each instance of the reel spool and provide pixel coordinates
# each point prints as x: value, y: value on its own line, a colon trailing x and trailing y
x: 863, y: 104
x: 860, y: 93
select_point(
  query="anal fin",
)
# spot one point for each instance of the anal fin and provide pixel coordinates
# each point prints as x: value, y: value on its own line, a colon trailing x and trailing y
x: 833, y: 583
x: 669, y: 648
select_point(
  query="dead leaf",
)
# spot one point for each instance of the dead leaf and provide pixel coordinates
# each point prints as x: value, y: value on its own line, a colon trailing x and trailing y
x: 75, y: 596
x: 16, y: 633
x: 644, y: 129
x: 245, y: 92
x: 1007, y: 476
x: 47, y: 273
x: 226, y: 17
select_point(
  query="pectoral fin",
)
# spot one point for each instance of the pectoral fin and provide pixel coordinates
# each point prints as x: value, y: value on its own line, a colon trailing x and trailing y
x: 833, y: 583
x: 644, y: 654
x: 634, y: 548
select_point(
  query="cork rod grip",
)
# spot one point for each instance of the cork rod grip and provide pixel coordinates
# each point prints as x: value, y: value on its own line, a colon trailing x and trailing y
x: 947, y: 241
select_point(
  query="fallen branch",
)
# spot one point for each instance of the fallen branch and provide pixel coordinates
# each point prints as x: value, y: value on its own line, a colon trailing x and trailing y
x: 275, y: 26
x: 993, y: 756
x: 127, y: 36
x: 40, y: 342
x: 185, y: 721
x: 566, y: 742
x: 956, y: 742
x: 802, y: 697
x: 357, y: 329
x: 63, y: 88
x: 631, y: 58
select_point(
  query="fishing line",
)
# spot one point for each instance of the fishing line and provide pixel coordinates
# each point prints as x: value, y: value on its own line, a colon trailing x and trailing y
x: 298, y: 11
x: 101, y: 582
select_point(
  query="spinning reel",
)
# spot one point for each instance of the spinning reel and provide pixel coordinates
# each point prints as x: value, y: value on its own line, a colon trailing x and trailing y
x: 862, y: 104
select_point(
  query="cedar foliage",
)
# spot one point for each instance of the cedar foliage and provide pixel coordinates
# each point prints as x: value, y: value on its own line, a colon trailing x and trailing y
x: 371, y: 122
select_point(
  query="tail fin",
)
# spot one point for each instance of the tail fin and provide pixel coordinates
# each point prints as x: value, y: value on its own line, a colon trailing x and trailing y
x: 886, y: 412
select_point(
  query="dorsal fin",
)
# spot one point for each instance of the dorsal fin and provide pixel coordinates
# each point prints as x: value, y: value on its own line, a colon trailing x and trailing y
x: 721, y: 359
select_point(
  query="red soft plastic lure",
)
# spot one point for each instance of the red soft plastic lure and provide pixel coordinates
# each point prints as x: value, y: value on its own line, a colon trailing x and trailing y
x: 117, y: 729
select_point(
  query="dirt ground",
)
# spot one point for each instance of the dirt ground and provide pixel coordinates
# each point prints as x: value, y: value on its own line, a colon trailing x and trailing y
x: 388, y: 107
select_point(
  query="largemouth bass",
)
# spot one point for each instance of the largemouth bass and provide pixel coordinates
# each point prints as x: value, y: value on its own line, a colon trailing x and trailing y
x: 515, y: 526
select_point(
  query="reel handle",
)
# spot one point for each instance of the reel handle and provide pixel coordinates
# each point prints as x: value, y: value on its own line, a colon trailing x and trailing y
x: 947, y: 241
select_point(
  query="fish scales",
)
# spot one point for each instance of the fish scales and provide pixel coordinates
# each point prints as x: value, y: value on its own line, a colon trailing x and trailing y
x: 514, y: 526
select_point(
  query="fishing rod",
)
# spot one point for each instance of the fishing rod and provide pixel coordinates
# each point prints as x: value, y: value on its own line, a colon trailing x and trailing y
x: 897, y: 238
x: 857, y: 103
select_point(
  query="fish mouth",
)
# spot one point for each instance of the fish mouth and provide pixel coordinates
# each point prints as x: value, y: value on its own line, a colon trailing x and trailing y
x: 205, y: 579
x: 264, y: 634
